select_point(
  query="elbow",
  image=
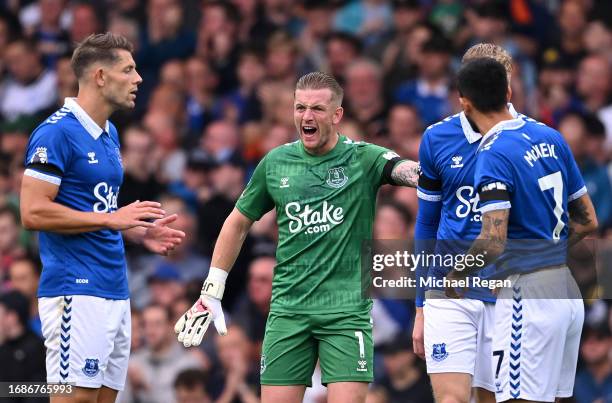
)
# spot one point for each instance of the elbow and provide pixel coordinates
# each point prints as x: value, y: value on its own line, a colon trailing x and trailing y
x: 29, y: 219
x: 28, y: 222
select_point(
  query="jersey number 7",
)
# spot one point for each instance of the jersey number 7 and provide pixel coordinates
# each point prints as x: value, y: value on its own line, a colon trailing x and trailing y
x: 554, y: 181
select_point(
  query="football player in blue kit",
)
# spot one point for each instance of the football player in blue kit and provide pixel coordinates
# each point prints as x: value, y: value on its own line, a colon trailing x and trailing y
x: 534, y: 204
x: 69, y: 193
x: 454, y: 336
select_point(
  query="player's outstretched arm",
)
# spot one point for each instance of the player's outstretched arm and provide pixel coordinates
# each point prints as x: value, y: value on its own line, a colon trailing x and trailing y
x: 40, y: 212
x: 192, y: 326
x: 582, y: 219
x: 406, y: 173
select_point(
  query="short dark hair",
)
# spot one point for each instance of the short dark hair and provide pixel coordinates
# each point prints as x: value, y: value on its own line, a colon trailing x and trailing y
x: 191, y: 379
x: 98, y: 48
x: 318, y: 80
x: 353, y: 41
x: 484, y: 82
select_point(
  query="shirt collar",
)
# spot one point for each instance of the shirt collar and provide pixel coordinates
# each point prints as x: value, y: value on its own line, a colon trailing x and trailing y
x: 512, y: 124
x: 86, y: 121
x: 472, y: 135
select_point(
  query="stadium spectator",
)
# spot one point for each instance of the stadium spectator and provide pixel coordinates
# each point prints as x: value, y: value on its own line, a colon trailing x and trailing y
x: 85, y: 21
x: 50, y: 36
x: 281, y: 59
x: 429, y: 91
x: 10, y: 247
x: 166, y: 141
x: 365, y: 102
x: 190, y: 387
x: 594, y: 381
x: 400, y: 57
x: 242, y: 104
x: 163, y: 39
x: 29, y: 89
x: 67, y: 84
x: 152, y: 370
x: 585, y: 143
x: 140, y: 177
x: 236, y: 379
x: 341, y: 49
x: 594, y: 82
x: 202, y: 102
x: 405, y: 380
x: 404, y: 130
x: 216, y: 42
x: 311, y: 41
x: 24, y: 274
x: 22, y: 352
x: 369, y: 19
x: 252, y: 310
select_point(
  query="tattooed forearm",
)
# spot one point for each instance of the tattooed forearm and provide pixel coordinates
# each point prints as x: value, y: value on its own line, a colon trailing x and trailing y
x: 406, y: 173
x: 578, y: 212
x: 582, y: 219
x: 492, y: 239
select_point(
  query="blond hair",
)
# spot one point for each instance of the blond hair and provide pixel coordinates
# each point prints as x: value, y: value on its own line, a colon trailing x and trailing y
x: 492, y: 51
x: 318, y: 80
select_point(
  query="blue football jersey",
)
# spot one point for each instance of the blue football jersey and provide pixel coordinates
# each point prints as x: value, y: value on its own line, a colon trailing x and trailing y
x: 527, y: 167
x: 447, y: 157
x: 71, y: 151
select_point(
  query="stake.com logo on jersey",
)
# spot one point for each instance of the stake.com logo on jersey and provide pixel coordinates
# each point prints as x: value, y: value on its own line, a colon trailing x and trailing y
x: 313, y: 221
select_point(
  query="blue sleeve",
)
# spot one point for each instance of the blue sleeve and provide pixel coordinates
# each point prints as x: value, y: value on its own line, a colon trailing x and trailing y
x: 428, y: 217
x: 48, y: 154
x: 493, y: 178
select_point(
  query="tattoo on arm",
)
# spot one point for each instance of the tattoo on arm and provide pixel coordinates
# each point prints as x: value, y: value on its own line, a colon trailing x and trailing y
x: 579, y: 217
x: 406, y: 173
x: 578, y: 212
x: 492, y: 239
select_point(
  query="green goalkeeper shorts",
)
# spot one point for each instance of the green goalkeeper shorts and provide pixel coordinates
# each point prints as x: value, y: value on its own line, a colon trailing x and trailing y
x: 293, y: 342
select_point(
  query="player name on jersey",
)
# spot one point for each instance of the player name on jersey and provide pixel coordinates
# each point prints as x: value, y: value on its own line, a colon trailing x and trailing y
x: 542, y: 150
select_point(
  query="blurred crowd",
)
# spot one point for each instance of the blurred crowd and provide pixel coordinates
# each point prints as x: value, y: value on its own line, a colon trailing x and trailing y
x: 217, y: 95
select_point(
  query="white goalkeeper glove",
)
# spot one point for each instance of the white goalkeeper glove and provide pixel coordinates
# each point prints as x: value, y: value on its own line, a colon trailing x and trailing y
x: 193, y: 324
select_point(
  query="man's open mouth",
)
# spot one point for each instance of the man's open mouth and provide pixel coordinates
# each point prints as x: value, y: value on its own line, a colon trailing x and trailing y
x: 309, y: 130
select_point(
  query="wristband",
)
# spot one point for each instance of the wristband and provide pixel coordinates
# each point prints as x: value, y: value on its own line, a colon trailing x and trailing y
x: 214, y: 285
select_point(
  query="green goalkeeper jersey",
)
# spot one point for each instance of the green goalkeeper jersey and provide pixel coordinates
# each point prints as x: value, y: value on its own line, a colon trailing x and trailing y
x: 325, y: 208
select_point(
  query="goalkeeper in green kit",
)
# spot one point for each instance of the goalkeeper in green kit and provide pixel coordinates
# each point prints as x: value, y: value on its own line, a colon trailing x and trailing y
x: 323, y: 188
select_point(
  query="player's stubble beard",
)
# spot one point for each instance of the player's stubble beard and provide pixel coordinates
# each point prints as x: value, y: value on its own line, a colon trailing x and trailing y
x: 325, y: 137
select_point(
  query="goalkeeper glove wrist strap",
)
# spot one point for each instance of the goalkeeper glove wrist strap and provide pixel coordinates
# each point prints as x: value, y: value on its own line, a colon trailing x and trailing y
x: 214, y: 285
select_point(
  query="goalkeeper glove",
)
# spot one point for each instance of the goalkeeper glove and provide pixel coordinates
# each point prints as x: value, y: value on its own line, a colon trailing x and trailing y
x: 193, y: 324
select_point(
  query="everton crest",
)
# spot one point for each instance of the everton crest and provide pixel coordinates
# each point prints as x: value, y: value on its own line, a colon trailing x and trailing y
x: 439, y: 352
x: 336, y: 177
x: 91, y: 367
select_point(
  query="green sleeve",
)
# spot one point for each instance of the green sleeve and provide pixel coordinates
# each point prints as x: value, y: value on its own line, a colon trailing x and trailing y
x: 255, y: 200
x: 374, y: 159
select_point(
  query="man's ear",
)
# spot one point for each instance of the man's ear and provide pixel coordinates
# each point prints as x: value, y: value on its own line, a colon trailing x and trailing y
x: 508, y: 93
x: 466, y: 105
x: 338, y: 115
x: 99, y: 76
